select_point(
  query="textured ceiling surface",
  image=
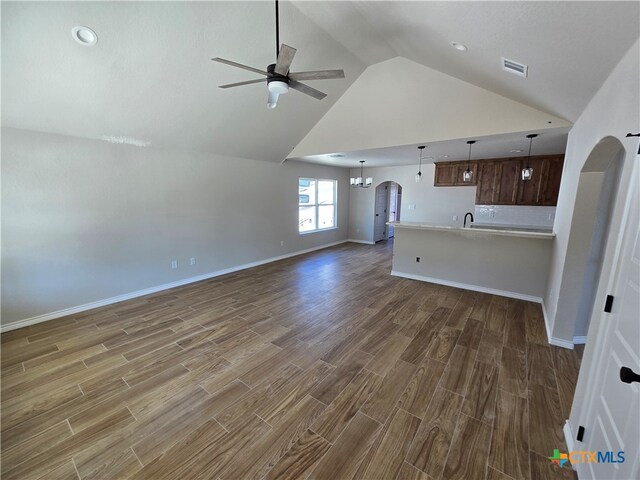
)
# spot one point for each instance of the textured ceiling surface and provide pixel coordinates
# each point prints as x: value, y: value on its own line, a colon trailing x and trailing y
x: 150, y: 80
x: 570, y: 47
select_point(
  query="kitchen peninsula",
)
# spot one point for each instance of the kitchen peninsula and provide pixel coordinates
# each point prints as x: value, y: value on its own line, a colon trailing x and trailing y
x: 513, y: 263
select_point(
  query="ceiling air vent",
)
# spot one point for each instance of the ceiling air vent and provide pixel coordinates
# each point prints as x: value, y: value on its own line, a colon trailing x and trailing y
x: 514, y: 67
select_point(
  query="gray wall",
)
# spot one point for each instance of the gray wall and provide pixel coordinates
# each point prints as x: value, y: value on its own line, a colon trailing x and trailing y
x: 511, y: 266
x: 436, y: 205
x: 85, y: 220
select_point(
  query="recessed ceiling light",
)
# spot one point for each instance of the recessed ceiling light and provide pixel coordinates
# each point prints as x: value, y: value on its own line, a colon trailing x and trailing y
x: 444, y: 156
x: 516, y: 151
x: 336, y: 155
x: 458, y: 46
x: 84, y: 36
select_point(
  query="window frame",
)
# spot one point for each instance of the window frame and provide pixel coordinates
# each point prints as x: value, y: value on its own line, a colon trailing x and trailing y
x: 316, y: 205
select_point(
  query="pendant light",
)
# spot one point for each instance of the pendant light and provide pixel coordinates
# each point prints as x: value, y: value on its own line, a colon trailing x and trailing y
x: 361, y: 182
x: 419, y: 174
x: 467, y: 175
x: 527, y: 172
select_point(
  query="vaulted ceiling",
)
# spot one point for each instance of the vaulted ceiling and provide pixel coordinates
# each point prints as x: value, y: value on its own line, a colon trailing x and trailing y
x: 150, y: 78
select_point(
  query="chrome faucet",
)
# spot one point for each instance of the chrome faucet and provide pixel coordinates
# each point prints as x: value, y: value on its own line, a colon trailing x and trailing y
x: 465, y: 219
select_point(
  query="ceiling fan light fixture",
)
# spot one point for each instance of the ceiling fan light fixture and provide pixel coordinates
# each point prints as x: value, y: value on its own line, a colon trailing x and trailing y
x: 272, y: 101
x: 278, y: 87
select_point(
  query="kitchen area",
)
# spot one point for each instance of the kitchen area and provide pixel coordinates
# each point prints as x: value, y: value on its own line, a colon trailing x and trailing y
x: 504, y: 245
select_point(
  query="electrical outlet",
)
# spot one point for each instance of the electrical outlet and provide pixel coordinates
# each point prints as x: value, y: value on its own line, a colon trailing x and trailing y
x: 174, y: 264
x: 417, y: 259
x: 282, y: 243
x: 492, y: 213
x: 455, y: 218
x: 550, y: 216
x: 357, y: 230
x: 192, y: 261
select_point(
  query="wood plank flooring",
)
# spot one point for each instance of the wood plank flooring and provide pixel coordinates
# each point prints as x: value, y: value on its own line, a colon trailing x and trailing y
x: 321, y: 366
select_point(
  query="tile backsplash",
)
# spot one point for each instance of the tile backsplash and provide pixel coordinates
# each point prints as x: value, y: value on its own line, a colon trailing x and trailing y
x: 515, y: 215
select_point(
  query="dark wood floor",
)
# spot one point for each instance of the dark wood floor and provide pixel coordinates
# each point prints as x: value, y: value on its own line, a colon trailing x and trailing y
x: 320, y: 366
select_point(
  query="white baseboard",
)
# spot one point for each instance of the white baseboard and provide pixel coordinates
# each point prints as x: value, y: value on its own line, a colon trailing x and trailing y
x: 366, y: 242
x: 568, y: 439
x: 128, y: 296
x: 580, y: 340
x: 468, y: 286
x: 558, y: 342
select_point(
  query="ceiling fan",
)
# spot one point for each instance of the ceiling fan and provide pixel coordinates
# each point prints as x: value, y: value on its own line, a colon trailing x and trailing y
x: 278, y: 76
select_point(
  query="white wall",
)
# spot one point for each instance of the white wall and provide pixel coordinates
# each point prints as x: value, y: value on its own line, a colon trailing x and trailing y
x: 611, y: 114
x: 400, y: 102
x: 85, y: 220
x: 435, y: 205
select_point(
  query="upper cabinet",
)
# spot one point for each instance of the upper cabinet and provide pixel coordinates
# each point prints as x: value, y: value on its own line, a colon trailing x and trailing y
x: 499, y: 180
x: 551, y: 176
x: 487, y: 190
x: 508, y: 174
x: 450, y: 174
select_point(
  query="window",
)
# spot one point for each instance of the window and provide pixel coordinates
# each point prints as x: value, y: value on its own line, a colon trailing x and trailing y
x: 316, y: 204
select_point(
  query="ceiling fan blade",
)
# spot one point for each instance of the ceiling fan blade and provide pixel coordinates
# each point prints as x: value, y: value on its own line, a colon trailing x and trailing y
x: 239, y: 84
x: 301, y: 87
x: 239, y: 65
x: 317, y: 75
x: 285, y: 57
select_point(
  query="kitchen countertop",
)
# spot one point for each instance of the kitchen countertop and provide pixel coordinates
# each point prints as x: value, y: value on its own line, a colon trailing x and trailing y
x: 514, y: 232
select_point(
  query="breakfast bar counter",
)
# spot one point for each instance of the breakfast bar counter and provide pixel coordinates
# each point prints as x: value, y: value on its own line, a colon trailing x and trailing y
x: 509, y: 262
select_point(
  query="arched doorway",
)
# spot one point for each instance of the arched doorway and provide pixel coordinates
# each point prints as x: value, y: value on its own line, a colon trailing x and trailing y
x: 595, y: 200
x: 387, y: 207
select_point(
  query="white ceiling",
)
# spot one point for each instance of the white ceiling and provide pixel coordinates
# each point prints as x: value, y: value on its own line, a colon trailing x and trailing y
x: 570, y: 47
x: 149, y: 78
x: 549, y: 142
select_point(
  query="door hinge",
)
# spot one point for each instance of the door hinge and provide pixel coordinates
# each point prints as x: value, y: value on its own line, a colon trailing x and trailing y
x: 580, y: 435
x: 608, y: 304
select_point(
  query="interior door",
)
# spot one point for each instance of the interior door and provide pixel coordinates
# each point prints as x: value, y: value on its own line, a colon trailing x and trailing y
x: 614, y: 421
x: 379, y: 224
x: 393, y: 207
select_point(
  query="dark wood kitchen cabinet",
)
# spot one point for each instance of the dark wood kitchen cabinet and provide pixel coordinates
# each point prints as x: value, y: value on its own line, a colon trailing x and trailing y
x: 508, y: 174
x: 461, y: 168
x: 449, y: 174
x: 500, y: 181
x: 529, y: 191
x: 551, y: 175
x: 445, y: 174
x: 487, y: 183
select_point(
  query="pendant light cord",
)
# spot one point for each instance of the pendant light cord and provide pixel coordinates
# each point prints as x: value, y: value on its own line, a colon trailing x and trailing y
x: 470, y: 142
x: 420, y: 149
x: 529, y: 157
